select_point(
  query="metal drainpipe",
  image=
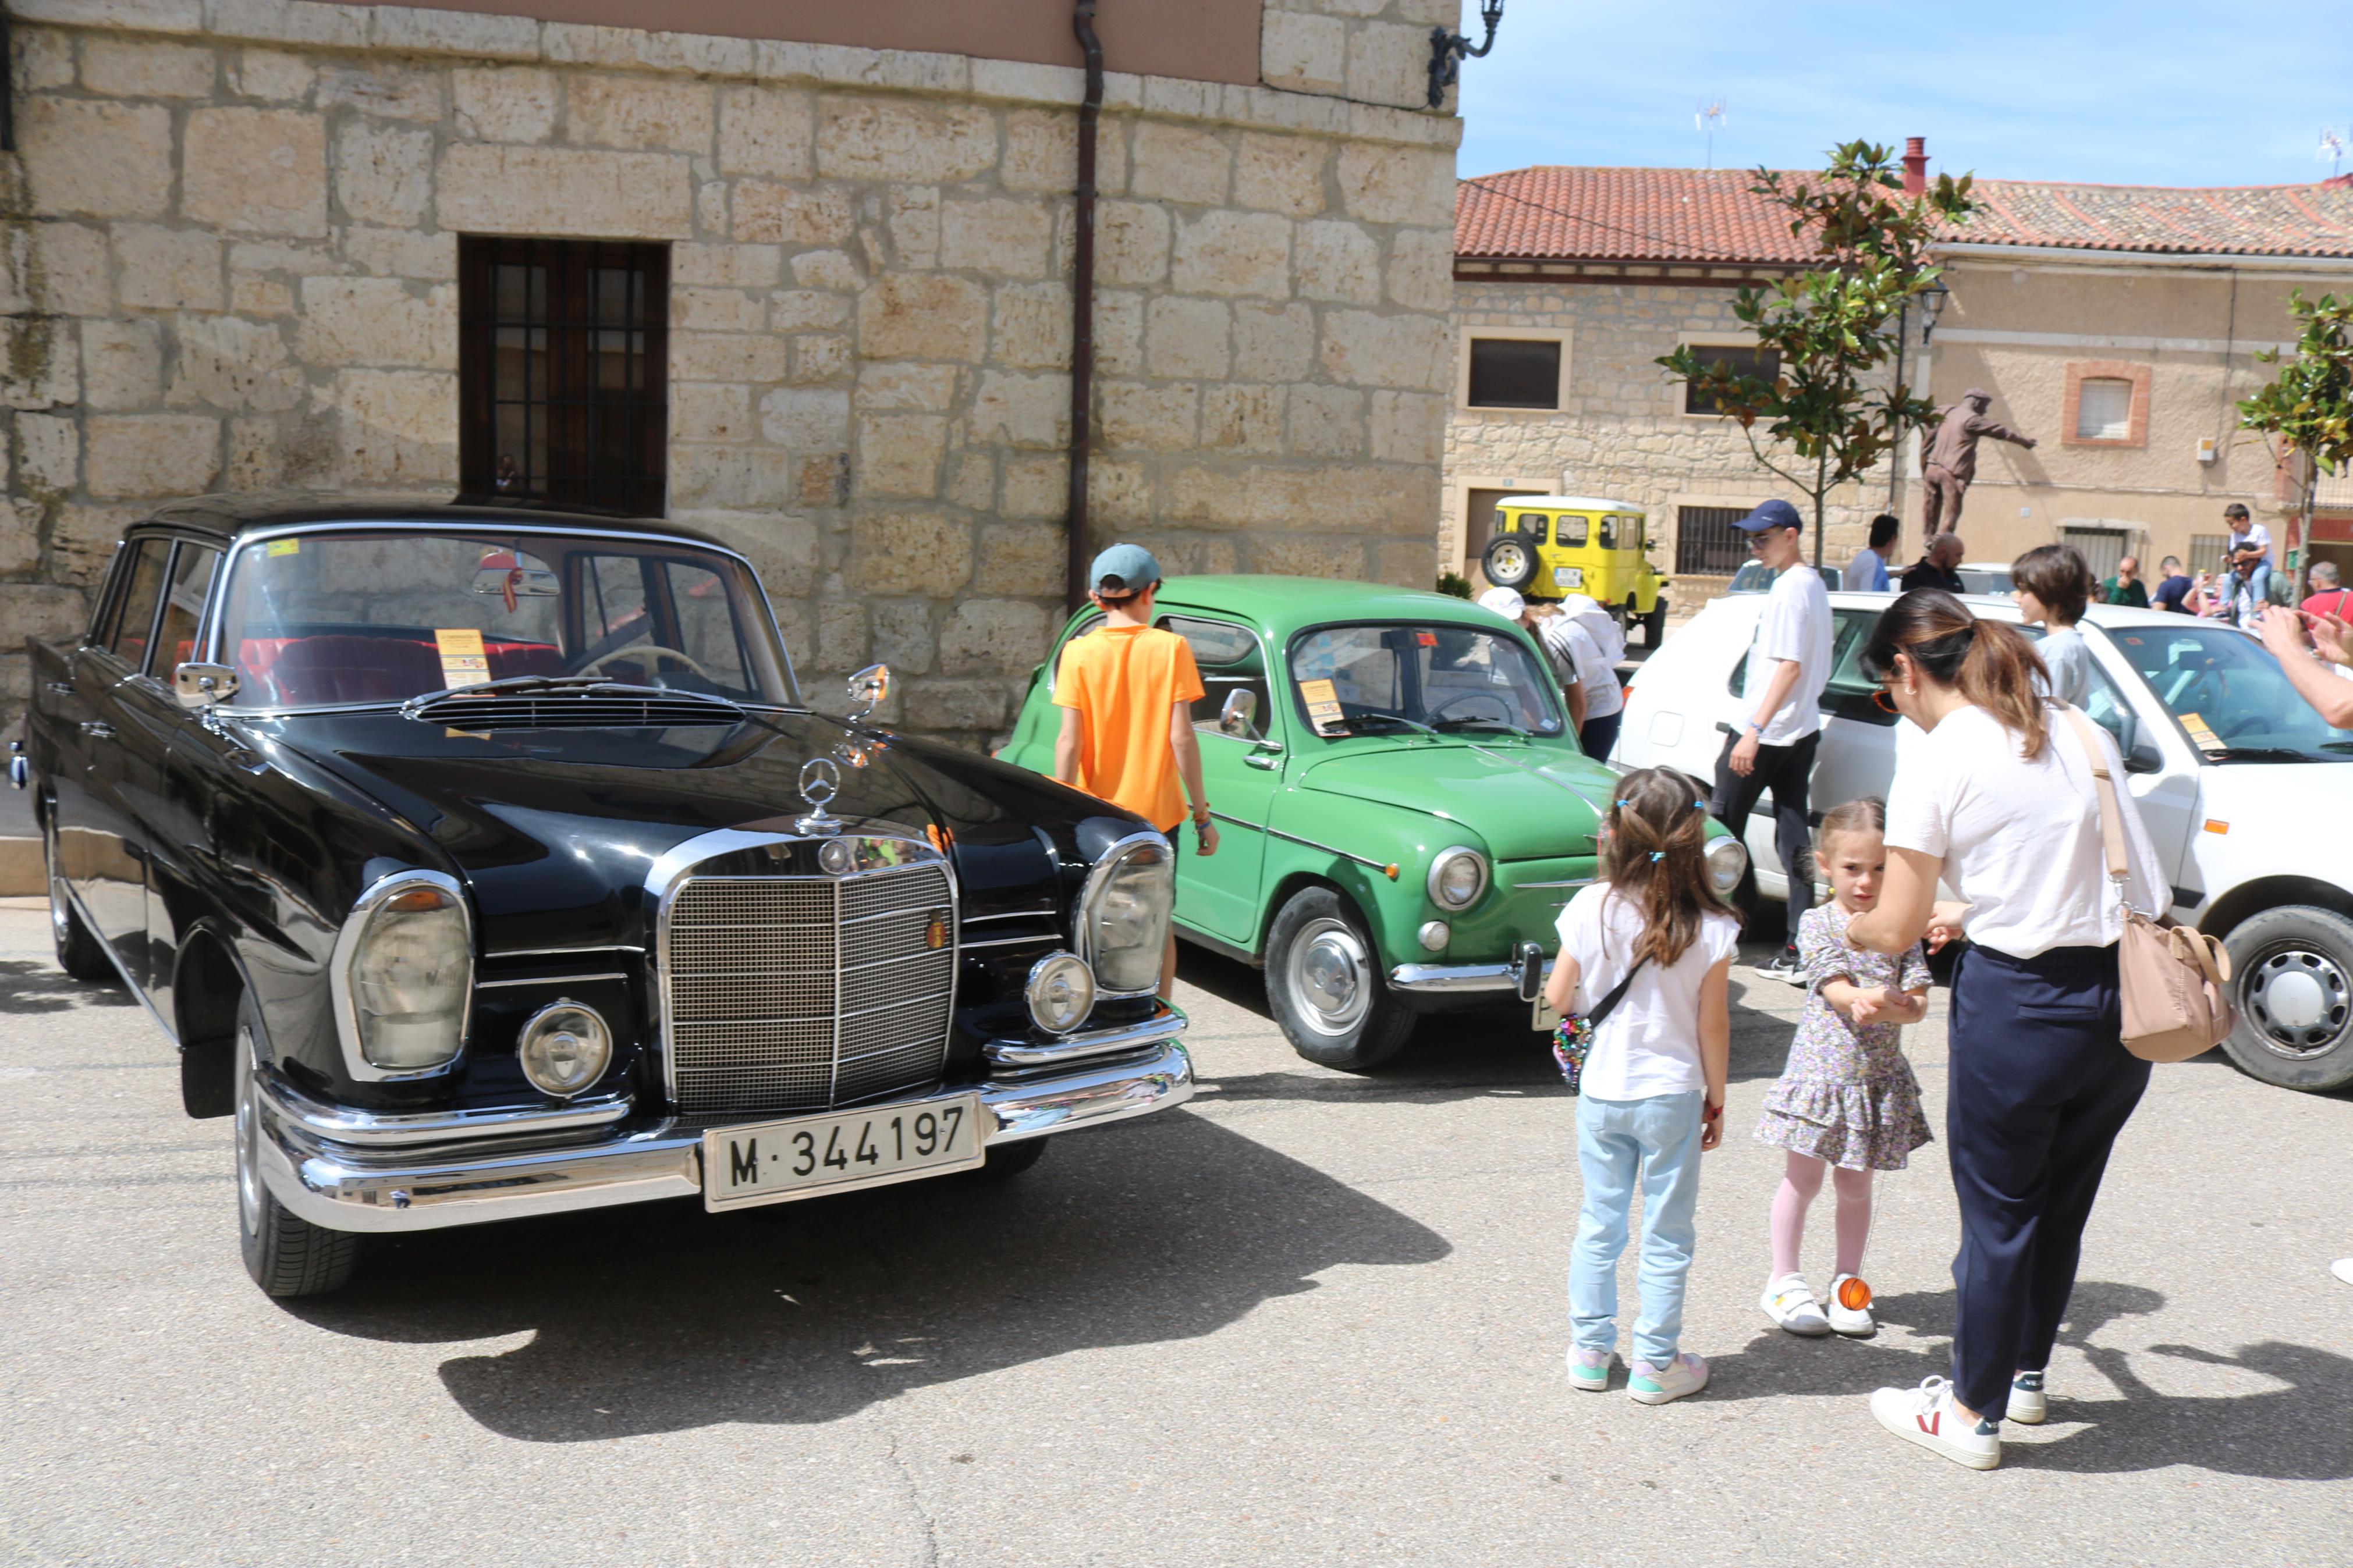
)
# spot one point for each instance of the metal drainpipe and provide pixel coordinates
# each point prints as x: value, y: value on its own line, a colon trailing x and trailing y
x: 1082, y: 302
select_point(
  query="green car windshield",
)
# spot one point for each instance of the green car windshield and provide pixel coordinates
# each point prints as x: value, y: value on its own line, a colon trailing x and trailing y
x: 2231, y: 695
x: 1371, y: 680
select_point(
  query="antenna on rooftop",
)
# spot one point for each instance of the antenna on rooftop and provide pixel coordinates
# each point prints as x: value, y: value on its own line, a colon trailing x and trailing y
x: 2332, y: 146
x: 1710, y: 119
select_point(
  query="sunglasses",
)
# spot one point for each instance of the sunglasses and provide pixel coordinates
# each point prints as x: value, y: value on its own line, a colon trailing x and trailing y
x: 1885, y: 701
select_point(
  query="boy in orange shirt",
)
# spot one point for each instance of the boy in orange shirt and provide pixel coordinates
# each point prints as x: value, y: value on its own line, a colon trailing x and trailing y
x: 1127, y: 692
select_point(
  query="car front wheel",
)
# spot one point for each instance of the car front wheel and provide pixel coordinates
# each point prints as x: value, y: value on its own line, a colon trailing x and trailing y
x: 79, y: 952
x: 1324, y: 977
x: 2291, y: 980
x: 286, y: 1255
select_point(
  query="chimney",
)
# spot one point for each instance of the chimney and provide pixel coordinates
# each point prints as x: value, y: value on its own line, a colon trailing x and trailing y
x: 1916, y: 165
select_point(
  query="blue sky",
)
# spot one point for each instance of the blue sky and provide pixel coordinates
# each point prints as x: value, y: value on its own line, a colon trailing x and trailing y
x: 2150, y: 93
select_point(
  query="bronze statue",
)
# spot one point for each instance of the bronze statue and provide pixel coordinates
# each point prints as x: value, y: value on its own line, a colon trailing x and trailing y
x: 1952, y: 459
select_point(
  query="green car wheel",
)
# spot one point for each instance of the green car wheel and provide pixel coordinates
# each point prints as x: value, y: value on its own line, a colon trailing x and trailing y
x: 1324, y: 977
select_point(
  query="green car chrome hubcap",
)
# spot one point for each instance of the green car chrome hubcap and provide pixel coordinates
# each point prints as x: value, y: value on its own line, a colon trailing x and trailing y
x: 1332, y: 977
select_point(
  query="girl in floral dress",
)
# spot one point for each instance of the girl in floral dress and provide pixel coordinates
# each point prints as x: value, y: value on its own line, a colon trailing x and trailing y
x: 1846, y: 1101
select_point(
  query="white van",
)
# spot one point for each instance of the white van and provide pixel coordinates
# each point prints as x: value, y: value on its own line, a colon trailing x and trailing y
x: 2247, y: 793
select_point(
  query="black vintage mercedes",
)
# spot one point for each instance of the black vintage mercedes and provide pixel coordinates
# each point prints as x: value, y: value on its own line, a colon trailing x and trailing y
x: 485, y: 862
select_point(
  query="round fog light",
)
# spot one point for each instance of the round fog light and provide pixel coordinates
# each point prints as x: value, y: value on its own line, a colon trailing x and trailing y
x: 563, y: 1049
x: 1062, y: 993
x: 1433, y: 935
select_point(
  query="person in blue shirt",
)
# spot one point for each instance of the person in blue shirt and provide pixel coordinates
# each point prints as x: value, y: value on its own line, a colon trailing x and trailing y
x: 1867, y: 572
x: 2173, y: 587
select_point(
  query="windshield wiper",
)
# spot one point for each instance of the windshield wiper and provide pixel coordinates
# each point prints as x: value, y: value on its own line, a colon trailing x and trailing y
x: 1503, y: 724
x: 2259, y: 754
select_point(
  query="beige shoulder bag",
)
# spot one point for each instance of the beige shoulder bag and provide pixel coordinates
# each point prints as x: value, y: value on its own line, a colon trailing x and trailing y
x: 2174, y: 981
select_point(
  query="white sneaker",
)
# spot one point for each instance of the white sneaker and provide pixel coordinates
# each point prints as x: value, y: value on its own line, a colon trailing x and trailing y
x: 1925, y: 1415
x: 2343, y: 1269
x: 1649, y: 1385
x: 1589, y: 1370
x: 1855, y: 1322
x: 2028, y: 1405
x: 1790, y: 1303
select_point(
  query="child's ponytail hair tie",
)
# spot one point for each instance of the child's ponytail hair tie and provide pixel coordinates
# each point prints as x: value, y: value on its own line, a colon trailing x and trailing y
x: 1624, y: 804
x: 1656, y: 855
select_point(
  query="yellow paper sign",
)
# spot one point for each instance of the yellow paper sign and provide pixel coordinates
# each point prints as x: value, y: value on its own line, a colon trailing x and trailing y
x: 2201, y: 735
x: 283, y: 547
x: 1318, y: 691
x: 463, y: 662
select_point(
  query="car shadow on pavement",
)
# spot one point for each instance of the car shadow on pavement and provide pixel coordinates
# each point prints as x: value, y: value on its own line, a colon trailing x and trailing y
x: 661, y: 1317
x: 2292, y: 1433
x: 33, y: 987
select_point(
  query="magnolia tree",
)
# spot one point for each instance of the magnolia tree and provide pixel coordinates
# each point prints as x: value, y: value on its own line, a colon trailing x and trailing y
x: 2308, y: 410
x: 1827, y: 419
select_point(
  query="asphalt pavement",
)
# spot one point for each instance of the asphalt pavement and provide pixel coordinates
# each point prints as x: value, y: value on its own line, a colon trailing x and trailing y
x: 1310, y: 1318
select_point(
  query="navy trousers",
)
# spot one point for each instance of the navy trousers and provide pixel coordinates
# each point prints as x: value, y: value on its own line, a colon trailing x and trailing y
x: 2040, y: 1085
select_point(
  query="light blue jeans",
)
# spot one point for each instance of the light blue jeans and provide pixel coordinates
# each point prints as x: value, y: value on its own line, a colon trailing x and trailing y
x: 1617, y: 1141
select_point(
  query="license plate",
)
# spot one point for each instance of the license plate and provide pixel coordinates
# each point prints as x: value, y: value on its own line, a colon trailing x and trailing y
x: 771, y: 1161
x: 1543, y: 1019
x: 1568, y: 576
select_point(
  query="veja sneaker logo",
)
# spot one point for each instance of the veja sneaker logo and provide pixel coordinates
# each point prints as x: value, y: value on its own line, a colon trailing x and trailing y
x: 1930, y: 1422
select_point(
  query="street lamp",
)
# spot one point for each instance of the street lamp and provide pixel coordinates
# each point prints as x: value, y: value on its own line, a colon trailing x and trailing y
x: 1446, y: 49
x: 1934, y: 297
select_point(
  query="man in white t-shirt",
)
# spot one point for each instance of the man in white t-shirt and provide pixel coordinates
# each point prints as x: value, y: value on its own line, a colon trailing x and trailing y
x: 1867, y: 572
x: 1577, y: 642
x: 1781, y: 718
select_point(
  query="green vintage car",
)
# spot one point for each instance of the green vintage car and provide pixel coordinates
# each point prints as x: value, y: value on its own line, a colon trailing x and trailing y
x: 1402, y: 802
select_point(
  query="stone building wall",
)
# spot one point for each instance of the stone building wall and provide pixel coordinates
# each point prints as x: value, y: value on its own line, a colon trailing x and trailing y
x: 230, y: 264
x: 1621, y: 432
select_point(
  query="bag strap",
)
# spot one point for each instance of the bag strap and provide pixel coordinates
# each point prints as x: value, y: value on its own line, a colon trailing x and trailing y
x: 2112, y: 823
x: 1608, y: 1004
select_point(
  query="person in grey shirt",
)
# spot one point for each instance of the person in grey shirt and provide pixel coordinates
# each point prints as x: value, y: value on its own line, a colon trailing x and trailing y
x: 1867, y: 572
x: 2054, y: 583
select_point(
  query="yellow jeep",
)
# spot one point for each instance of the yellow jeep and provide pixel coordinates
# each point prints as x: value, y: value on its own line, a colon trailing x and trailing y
x: 1546, y: 546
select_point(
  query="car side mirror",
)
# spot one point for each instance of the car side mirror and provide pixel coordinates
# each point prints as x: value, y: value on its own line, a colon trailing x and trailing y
x: 2144, y: 758
x: 870, y: 686
x: 1239, y: 717
x: 203, y: 685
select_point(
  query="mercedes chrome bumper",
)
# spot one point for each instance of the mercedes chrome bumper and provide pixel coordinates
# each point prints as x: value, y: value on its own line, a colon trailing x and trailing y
x: 392, y: 1184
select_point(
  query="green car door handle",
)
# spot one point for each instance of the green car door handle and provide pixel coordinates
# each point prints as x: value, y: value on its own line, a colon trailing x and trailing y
x: 1265, y: 754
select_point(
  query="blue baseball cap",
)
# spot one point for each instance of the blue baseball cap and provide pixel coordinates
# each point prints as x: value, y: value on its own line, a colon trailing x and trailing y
x: 1122, y: 569
x: 1770, y: 514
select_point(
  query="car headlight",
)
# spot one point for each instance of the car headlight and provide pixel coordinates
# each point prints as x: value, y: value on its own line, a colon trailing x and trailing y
x: 406, y: 969
x: 1062, y: 993
x: 1457, y: 878
x: 563, y: 1049
x: 1124, y: 915
x: 1726, y: 862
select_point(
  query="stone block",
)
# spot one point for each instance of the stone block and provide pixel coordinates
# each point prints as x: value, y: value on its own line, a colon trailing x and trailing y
x: 1380, y: 183
x: 898, y: 454
x: 1421, y: 269
x: 383, y: 89
x: 905, y: 140
x: 835, y: 269
x: 1119, y: 494
x: 1390, y: 63
x: 228, y: 363
x: 560, y: 191
x: 1119, y: 333
x: 1273, y: 342
x: 1004, y: 637
x: 710, y: 411
x: 384, y: 174
x: 84, y: 158
x: 767, y: 131
x: 1020, y: 558
x: 728, y: 477
x: 378, y: 321
x: 1131, y: 243
x: 1302, y: 53
x: 820, y: 356
x: 1412, y: 353
x: 133, y: 68
x: 1325, y: 556
x: 1282, y: 173
x: 1409, y: 427
x: 122, y: 364
x: 291, y: 22
x: 1011, y: 237
x: 1327, y: 422
x: 433, y: 31
x: 63, y: 268
x: 1041, y: 152
x: 1138, y: 417
x: 41, y: 610
x: 903, y: 637
x: 1036, y: 485
x: 1032, y: 329
x: 821, y: 482
x: 912, y: 216
x: 82, y: 542
x: 911, y: 552
x: 1186, y: 338
x: 167, y: 269
x: 753, y: 357
x: 1013, y: 410
x: 1339, y: 260
x: 143, y: 454
x: 1403, y: 562
x: 398, y: 427
x: 925, y: 388
x: 20, y: 542
x: 725, y: 266
x: 256, y: 171
x: 781, y: 547
x: 792, y: 309
x: 271, y: 75
x: 514, y: 103
x: 130, y: 16
x: 1241, y: 418
x: 41, y: 368
x: 766, y: 211
x: 1179, y: 163
x: 1231, y: 253
x: 404, y: 253
x: 45, y: 59
x: 970, y: 705
x: 923, y: 317
x: 717, y: 310
x: 1204, y: 496
x: 253, y: 456
x: 841, y: 639
x: 48, y: 456
x: 806, y: 420
x: 640, y: 113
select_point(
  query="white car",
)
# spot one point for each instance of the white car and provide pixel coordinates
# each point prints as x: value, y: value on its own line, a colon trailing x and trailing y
x: 2245, y: 789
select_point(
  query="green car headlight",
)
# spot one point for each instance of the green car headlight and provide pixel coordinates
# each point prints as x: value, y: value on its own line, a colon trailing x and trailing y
x: 1726, y: 860
x: 1457, y: 877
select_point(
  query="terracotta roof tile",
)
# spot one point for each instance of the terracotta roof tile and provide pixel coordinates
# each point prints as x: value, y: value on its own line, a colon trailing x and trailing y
x: 1696, y: 215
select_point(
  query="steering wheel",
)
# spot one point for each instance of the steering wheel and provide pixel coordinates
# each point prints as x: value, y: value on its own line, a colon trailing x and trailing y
x: 2250, y: 722
x: 1504, y: 707
x: 656, y: 652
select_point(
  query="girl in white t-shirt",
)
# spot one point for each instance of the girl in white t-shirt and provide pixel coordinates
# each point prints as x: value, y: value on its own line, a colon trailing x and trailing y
x: 1653, y: 1093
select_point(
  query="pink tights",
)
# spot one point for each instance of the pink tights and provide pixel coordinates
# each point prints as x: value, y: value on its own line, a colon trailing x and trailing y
x: 1800, y: 1182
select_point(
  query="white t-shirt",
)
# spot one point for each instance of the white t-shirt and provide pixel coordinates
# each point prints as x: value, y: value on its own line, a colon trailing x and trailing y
x: 2069, y: 661
x: 2256, y: 534
x: 1867, y: 572
x: 1579, y: 658
x: 1599, y: 623
x: 2020, y: 838
x: 1795, y: 625
x: 1649, y: 1044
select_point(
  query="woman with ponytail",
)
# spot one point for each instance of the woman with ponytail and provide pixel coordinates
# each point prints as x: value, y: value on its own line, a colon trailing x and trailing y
x: 1998, y: 800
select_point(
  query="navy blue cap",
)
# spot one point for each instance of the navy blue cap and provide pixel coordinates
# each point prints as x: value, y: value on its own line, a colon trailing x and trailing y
x: 1770, y: 514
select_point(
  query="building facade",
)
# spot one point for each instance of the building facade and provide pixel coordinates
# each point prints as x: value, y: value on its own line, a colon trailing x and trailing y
x: 2118, y: 325
x: 811, y: 294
